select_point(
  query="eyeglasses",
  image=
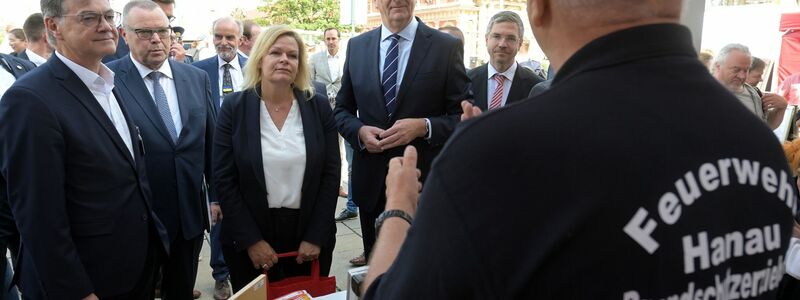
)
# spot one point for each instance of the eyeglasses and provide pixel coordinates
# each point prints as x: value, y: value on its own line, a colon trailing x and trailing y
x: 89, y: 19
x: 146, y: 34
x: 171, y: 18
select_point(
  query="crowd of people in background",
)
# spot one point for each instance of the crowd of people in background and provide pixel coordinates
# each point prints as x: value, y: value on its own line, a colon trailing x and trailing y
x: 120, y: 149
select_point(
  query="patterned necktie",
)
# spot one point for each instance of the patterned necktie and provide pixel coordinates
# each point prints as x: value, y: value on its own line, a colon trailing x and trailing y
x: 497, y: 97
x: 390, y: 75
x: 227, y: 83
x: 163, y: 106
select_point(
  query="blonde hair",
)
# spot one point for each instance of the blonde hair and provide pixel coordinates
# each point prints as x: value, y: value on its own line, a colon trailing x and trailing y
x: 252, y: 70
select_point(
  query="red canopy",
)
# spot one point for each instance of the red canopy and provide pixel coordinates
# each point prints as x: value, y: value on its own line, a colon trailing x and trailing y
x: 789, y: 61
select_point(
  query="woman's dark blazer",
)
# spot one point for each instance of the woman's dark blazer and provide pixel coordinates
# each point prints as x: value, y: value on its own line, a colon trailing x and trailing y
x: 239, y: 172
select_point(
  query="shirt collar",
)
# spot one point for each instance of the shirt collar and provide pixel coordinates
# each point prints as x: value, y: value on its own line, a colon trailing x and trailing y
x: 655, y: 40
x: 35, y: 58
x: 239, y: 52
x: 234, y: 62
x: 165, y: 69
x: 509, y: 74
x: 328, y: 53
x: 103, y: 82
x: 407, y: 33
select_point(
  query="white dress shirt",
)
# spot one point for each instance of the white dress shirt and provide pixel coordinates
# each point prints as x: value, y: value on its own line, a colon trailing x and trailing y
x: 283, y: 154
x: 236, y: 75
x: 35, y: 58
x: 167, y: 82
x: 403, y: 48
x: 509, y: 74
x: 334, y: 65
x: 407, y: 36
x: 6, y: 80
x: 102, y: 87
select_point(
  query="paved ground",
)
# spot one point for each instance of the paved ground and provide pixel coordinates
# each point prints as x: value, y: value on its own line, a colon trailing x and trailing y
x: 348, y: 245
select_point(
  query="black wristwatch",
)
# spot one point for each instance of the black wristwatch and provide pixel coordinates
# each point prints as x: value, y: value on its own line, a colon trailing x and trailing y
x: 389, y: 214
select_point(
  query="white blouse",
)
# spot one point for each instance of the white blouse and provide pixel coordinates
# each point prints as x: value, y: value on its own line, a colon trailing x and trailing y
x: 283, y: 153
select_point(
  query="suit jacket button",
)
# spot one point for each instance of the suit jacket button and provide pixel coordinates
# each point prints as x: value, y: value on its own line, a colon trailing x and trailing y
x: 144, y: 217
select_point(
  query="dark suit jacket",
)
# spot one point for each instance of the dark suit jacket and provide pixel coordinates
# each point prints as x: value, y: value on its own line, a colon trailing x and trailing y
x: 8, y: 230
x: 239, y: 172
x: 122, y: 50
x: 211, y: 66
x: 80, y: 200
x: 175, y: 170
x: 21, y: 55
x: 433, y: 85
x: 521, y: 85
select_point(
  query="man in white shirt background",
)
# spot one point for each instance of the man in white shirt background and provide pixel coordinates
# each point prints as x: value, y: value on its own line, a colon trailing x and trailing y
x: 326, y: 68
x: 250, y: 32
x: 39, y: 50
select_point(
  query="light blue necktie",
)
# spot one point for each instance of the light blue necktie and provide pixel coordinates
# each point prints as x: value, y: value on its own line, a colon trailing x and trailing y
x: 390, y: 75
x: 163, y: 106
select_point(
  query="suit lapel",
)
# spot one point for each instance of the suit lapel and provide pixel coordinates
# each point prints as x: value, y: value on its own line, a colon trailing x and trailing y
x: 133, y: 82
x: 213, y: 77
x: 182, y: 93
x: 252, y: 118
x: 73, y: 84
x: 419, y: 49
x: 309, y: 119
x: 374, y: 55
x: 517, y: 92
x: 481, y: 87
x: 322, y: 60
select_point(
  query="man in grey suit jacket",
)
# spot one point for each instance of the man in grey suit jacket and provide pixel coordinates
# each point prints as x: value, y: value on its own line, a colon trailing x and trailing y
x: 502, y: 81
x: 326, y: 68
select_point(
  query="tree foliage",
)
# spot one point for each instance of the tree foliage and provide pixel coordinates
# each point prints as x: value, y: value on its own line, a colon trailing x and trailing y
x: 301, y: 14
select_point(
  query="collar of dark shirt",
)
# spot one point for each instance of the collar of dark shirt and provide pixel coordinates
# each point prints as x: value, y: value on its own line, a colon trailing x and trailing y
x: 628, y: 45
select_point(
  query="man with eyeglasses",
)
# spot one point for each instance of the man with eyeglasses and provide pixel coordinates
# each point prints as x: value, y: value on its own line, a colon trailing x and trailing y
x: 502, y: 81
x: 75, y: 169
x: 171, y: 103
x: 168, y: 6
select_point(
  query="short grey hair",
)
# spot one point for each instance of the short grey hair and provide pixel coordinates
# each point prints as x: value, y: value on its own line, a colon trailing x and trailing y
x: 228, y: 19
x: 51, y: 9
x: 142, y: 4
x: 723, y: 54
x: 506, y: 16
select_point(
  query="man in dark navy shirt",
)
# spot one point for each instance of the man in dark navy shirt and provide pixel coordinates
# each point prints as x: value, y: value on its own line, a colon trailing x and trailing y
x: 635, y: 176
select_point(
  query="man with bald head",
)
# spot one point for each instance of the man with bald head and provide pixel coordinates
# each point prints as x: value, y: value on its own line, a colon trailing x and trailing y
x: 172, y: 104
x: 677, y: 190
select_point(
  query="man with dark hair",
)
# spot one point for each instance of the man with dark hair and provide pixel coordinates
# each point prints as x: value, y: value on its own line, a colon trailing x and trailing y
x: 171, y: 103
x: 326, y: 68
x: 756, y: 73
x: 679, y: 194
x: 39, y: 50
x: 250, y: 32
x: 502, y: 81
x: 75, y: 168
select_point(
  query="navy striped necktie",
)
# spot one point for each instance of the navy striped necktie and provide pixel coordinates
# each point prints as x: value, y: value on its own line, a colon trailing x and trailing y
x: 389, y: 75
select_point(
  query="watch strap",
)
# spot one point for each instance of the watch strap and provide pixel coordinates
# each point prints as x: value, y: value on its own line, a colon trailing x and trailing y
x: 390, y: 214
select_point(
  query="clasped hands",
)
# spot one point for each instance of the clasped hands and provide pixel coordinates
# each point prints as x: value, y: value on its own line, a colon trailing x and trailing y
x: 377, y: 140
x: 264, y: 257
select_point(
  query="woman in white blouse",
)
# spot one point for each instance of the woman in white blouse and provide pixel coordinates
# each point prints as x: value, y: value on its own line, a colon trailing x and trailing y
x: 276, y: 165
